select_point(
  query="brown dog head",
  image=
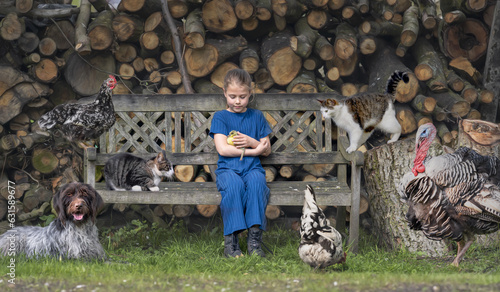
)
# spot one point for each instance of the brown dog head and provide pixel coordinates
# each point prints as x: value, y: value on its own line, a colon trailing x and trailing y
x: 76, y: 202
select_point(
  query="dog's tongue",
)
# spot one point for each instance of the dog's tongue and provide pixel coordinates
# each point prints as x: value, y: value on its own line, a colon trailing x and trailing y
x: 78, y: 217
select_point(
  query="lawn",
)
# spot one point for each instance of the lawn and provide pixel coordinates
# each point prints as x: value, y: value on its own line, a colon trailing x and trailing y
x: 146, y: 258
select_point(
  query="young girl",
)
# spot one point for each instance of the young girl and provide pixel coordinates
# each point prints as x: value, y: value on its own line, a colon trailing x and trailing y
x: 242, y: 183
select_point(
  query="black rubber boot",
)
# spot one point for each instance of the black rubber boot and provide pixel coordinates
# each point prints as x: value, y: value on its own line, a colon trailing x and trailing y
x: 254, y: 241
x: 231, y: 246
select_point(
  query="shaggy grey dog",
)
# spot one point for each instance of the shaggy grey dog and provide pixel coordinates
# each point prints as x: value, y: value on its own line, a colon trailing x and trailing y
x: 72, y: 235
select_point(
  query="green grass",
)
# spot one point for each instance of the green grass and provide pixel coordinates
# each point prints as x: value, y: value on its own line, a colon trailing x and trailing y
x: 145, y: 258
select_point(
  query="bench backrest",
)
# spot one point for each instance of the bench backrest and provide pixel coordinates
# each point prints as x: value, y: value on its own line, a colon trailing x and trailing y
x: 180, y: 123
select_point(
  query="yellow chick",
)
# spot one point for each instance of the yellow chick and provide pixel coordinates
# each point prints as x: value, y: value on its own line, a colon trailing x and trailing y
x: 229, y: 140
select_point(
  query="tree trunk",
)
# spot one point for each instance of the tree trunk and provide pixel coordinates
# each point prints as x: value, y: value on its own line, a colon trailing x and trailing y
x: 217, y: 77
x: 273, y: 212
x: 410, y: 30
x: 429, y: 66
x: 28, y: 42
x: 149, y: 215
x: 63, y: 33
x: 44, y: 161
x: 384, y: 168
x: 452, y: 102
x: 100, y: 31
x: 249, y: 60
x: 305, y: 82
x: 11, y: 27
x: 181, y: 211
x: 482, y: 136
x: 82, y: 41
x: 201, y: 62
x: 346, y: 41
x: 45, y: 71
x: 15, y: 98
x: 36, y: 196
x: 319, y: 170
x: 194, y: 32
x: 287, y: 171
x: 84, y: 79
x: 279, y: 58
x: 207, y: 211
x: 127, y: 27
x: 218, y: 16
x: 424, y: 104
x: 271, y: 173
x: 491, y: 69
x: 406, y: 119
x: 185, y: 173
x: 467, y: 39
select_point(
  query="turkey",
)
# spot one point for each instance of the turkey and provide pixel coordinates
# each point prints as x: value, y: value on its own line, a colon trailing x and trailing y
x: 453, y: 196
x: 79, y: 123
x: 320, y: 244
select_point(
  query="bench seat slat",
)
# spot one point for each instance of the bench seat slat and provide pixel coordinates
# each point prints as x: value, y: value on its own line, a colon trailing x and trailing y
x: 207, y: 158
x: 282, y: 194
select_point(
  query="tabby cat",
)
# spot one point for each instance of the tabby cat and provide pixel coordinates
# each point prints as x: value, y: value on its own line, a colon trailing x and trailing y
x: 125, y: 171
x: 360, y: 114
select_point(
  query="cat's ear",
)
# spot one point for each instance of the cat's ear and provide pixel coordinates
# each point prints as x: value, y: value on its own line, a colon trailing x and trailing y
x: 161, y: 156
x: 331, y: 102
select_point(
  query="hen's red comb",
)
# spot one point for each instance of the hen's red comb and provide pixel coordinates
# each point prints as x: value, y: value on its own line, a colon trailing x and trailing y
x: 112, y: 77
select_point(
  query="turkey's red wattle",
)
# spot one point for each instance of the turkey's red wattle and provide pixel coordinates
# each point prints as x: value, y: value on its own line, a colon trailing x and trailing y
x: 418, y: 162
x: 418, y: 169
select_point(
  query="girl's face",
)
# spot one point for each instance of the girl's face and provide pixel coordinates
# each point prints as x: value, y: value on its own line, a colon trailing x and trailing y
x: 237, y: 97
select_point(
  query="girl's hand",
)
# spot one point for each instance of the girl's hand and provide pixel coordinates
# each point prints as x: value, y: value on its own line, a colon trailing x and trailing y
x: 244, y: 141
x: 264, y: 147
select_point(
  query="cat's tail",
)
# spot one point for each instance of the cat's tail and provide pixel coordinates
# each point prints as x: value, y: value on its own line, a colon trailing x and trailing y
x: 394, y: 80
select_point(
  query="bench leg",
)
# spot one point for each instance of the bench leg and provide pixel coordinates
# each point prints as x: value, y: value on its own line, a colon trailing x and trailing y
x: 355, y: 201
x: 341, y: 214
x: 89, y: 166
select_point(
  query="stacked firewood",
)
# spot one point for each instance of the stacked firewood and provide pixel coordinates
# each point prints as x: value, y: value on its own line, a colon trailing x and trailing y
x: 51, y: 54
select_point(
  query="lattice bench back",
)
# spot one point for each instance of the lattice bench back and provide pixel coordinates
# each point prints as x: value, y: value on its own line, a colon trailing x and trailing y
x: 147, y: 124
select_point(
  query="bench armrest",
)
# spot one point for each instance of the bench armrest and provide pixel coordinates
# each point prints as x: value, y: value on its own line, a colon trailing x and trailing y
x: 356, y: 157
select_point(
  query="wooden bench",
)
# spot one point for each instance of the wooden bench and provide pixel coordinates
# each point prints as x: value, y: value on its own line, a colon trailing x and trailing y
x: 146, y: 123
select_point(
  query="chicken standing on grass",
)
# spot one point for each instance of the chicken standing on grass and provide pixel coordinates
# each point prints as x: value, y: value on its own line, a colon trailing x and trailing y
x: 452, y: 196
x: 320, y: 244
x: 81, y: 123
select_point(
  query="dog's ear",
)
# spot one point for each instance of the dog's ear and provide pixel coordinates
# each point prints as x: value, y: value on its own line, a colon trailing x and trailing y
x: 97, y: 203
x: 58, y: 205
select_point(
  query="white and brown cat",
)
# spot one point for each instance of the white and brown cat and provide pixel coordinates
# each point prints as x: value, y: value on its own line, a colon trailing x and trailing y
x: 359, y: 115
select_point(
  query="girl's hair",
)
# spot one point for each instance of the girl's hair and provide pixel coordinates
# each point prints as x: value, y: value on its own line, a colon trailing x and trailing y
x: 238, y: 77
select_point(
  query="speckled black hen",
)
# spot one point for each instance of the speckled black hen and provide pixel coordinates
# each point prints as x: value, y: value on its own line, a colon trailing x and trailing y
x: 320, y: 244
x: 83, y: 122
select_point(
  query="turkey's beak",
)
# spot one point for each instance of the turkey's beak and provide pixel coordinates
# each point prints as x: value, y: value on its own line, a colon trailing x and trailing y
x: 419, y: 143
